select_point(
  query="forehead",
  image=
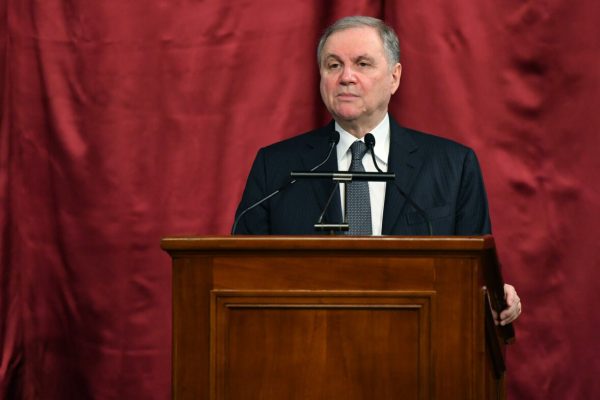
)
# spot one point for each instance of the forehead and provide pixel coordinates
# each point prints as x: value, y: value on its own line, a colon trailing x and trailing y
x: 360, y: 40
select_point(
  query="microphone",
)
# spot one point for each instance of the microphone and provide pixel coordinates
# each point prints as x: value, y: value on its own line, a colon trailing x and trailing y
x: 370, y: 142
x: 334, y: 138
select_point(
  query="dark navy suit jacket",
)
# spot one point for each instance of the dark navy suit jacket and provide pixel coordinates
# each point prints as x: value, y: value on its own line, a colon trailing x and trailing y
x: 441, y: 176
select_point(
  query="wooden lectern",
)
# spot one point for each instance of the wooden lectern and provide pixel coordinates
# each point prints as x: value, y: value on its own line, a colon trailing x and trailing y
x: 331, y: 317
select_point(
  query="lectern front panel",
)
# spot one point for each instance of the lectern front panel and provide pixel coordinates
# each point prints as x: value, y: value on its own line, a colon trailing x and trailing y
x: 321, y: 345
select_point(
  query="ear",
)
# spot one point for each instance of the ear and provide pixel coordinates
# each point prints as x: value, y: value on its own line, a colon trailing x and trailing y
x: 396, y: 73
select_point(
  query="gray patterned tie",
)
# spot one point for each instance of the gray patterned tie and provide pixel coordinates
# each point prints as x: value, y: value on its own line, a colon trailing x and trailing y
x: 357, y: 192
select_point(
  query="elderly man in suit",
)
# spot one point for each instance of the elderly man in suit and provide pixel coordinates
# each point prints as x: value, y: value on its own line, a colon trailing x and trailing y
x: 437, y: 184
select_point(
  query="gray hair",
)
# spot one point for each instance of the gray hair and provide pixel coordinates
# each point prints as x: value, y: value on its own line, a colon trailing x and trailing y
x: 388, y: 37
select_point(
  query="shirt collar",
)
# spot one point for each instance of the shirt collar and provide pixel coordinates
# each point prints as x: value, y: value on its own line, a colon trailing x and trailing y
x: 382, y: 140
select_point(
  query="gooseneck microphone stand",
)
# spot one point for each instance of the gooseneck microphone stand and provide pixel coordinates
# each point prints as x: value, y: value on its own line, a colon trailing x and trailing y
x: 341, y: 179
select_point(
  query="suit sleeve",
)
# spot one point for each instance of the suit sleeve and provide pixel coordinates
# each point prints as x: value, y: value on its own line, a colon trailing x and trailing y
x: 255, y: 221
x: 472, y: 213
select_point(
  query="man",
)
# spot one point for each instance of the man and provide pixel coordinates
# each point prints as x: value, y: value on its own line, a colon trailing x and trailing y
x: 359, y: 64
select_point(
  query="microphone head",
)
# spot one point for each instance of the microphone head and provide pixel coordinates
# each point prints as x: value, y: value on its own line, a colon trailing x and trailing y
x: 370, y: 140
x: 334, y: 137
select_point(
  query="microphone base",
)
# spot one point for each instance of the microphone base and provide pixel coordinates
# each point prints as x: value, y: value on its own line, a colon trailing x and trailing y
x: 332, y: 227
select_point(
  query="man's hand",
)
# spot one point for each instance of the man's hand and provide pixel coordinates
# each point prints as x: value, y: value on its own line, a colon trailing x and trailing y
x: 513, y: 310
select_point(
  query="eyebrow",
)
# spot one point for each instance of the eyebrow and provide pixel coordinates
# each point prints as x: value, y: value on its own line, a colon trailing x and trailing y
x: 354, y: 59
x: 358, y: 57
x: 364, y: 57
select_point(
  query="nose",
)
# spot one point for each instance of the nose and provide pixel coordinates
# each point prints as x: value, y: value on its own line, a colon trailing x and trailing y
x: 347, y: 76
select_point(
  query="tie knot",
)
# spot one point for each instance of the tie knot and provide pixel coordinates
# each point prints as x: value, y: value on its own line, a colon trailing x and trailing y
x: 358, y: 150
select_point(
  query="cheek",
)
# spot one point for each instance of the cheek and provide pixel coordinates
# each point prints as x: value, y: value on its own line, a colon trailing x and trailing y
x: 325, y: 93
x: 323, y: 89
x: 328, y: 95
x: 328, y: 83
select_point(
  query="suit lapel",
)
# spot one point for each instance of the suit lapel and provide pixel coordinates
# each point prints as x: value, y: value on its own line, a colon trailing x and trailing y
x: 322, y: 188
x: 405, y: 160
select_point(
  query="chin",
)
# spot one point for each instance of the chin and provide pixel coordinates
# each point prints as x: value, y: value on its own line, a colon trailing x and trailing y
x: 347, y: 115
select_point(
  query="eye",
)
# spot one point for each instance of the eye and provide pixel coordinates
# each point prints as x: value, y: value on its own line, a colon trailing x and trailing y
x: 333, y: 65
x: 364, y: 64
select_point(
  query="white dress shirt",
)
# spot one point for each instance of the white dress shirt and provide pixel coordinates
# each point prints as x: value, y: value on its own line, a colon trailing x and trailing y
x: 382, y: 150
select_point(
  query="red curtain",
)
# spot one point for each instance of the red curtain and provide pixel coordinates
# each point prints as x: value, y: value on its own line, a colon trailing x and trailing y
x: 126, y: 121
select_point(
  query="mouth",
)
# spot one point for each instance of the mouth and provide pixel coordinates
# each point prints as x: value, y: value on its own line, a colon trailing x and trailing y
x: 346, y: 95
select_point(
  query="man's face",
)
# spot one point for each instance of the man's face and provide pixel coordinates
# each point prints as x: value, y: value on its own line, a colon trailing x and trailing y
x: 356, y: 79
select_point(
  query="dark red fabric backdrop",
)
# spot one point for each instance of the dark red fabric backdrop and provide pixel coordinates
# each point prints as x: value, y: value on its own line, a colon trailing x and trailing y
x: 126, y: 121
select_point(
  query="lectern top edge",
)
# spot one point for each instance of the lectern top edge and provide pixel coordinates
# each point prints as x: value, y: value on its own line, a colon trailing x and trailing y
x: 320, y: 242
